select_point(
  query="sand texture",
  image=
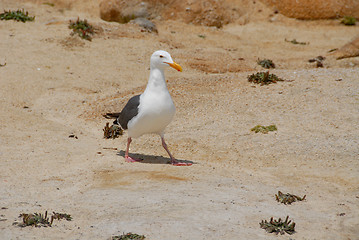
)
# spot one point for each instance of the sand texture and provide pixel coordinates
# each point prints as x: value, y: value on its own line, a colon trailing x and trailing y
x: 54, y: 85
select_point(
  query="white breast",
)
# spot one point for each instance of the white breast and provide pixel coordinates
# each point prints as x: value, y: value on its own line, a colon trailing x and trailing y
x: 156, y: 111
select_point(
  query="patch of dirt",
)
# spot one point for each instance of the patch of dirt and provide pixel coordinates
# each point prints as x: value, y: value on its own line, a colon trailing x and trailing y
x: 118, y: 178
x: 72, y: 42
x: 217, y: 62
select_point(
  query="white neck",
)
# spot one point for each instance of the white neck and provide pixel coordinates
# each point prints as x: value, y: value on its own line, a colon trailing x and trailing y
x: 156, y: 81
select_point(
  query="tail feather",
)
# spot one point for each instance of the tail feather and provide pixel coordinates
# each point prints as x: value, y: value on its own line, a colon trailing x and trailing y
x: 111, y: 115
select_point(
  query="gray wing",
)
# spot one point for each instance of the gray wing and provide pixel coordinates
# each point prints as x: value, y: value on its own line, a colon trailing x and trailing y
x: 129, y: 111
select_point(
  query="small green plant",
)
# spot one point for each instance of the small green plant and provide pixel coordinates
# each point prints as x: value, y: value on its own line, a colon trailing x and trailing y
x: 294, y: 41
x: 264, y: 129
x: 82, y: 28
x: 36, y: 219
x: 288, y: 198
x: 49, y: 4
x: 18, y: 15
x: 278, y: 226
x: 348, y: 21
x: 263, y: 78
x: 129, y: 236
x: 202, y: 36
x: 112, y: 132
x: 60, y: 216
x: 266, y: 63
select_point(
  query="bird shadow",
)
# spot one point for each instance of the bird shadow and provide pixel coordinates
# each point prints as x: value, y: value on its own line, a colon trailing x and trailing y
x: 151, y: 159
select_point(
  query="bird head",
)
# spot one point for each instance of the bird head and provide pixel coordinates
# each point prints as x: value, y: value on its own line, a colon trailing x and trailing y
x: 160, y: 59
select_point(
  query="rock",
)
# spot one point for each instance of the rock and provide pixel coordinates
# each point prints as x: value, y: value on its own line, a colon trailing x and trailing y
x: 136, y: 10
x: 211, y: 13
x: 350, y: 49
x: 146, y: 24
x: 122, y: 11
x: 110, y: 10
x: 319, y: 9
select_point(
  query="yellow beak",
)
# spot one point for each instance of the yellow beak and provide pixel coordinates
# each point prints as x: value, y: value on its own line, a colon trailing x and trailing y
x: 175, y: 66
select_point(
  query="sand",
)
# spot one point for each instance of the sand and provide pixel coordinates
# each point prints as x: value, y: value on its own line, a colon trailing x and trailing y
x: 54, y: 85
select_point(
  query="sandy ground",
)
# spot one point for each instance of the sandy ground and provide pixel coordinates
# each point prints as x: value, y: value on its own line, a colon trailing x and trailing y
x: 54, y: 85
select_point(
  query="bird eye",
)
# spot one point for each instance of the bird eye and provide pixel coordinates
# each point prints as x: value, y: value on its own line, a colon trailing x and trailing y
x: 161, y: 56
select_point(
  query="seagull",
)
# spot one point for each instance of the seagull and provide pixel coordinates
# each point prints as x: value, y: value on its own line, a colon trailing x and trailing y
x: 151, y: 111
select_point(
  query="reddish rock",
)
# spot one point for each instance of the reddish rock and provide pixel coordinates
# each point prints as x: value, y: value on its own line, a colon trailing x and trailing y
x: 318, y: 9
x: 200, y: 12
x: 350, y: 49
x: 122, y: 11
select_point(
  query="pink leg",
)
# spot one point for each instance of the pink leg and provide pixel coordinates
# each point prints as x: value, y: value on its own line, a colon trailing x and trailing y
x: 128, y: 158
x: 173, y: 160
